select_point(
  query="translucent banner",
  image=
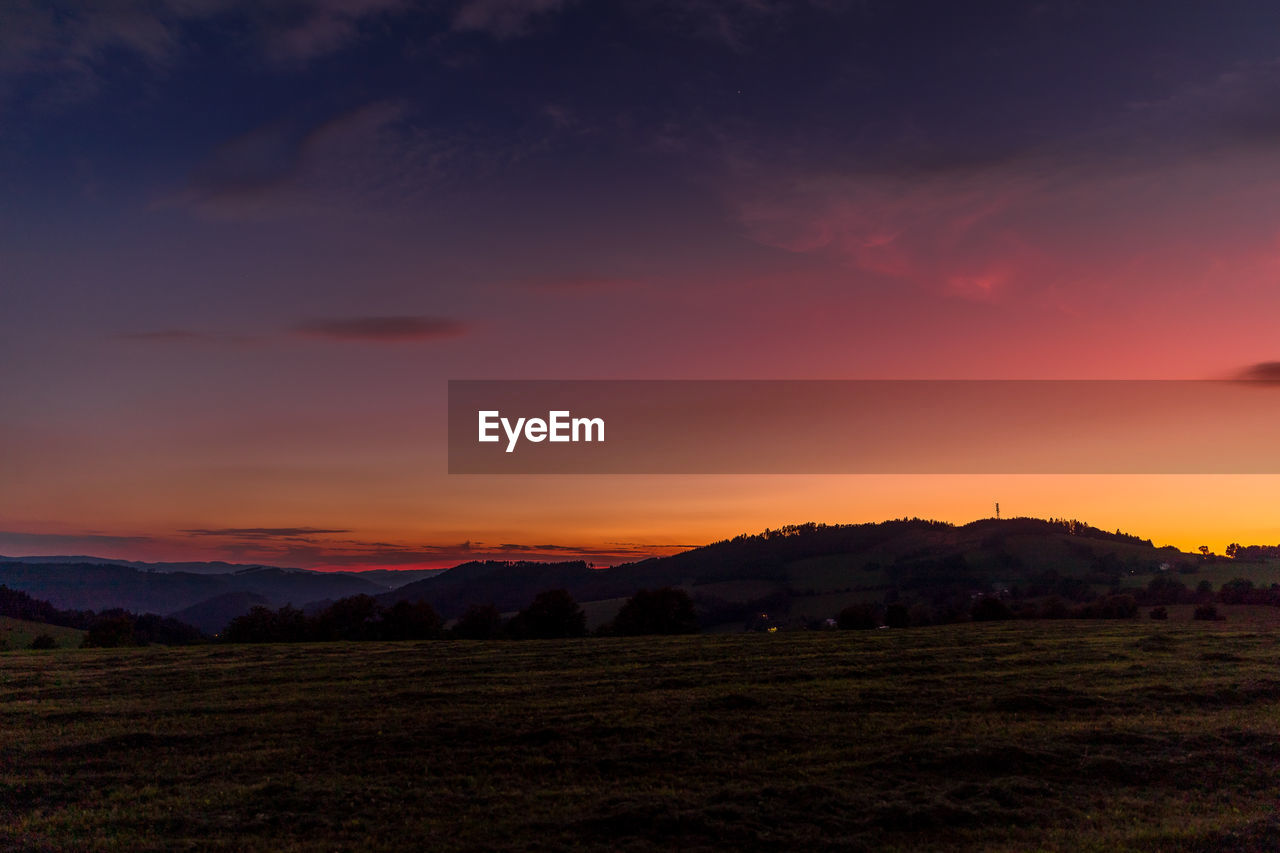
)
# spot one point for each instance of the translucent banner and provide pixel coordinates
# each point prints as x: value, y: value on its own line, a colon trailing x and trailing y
x: 864, y: 427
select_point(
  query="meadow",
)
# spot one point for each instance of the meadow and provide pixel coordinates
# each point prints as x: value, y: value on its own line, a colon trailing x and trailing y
x: 1065, y: 735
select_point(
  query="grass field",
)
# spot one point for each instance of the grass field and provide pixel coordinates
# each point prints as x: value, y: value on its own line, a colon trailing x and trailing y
x: 1011, y: 736
x: 18, y: 634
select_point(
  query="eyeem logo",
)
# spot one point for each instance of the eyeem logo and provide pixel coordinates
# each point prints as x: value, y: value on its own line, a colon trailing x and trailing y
x: 559, y: 426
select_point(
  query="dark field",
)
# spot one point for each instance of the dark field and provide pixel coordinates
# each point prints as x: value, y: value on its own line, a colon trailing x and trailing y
x: 1017, y: 736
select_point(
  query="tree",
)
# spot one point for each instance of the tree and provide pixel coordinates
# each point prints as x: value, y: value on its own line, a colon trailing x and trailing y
x: 859, y: 617
x: 264, y: 625
x: 990, y: 609
x: 110, y: 632
x: 1166, y: 590
x: 480, y: 622
x: 553, y: 614
x: 896, y: 615
x: 43, y: 641
x: 1159, y: 614
x: 406, y: 621
x: 660, y: 611
x: 1207, y: 613
x: 1235, y: 591
x: 356, y: 617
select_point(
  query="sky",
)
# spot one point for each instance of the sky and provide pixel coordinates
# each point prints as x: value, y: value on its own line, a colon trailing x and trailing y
x: 244, y: 247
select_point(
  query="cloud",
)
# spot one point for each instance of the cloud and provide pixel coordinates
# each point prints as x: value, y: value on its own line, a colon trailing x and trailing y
x: 383, y: 329
x: 1263, y: 371
x: 72, y: 49
x: 502, y: 18
x: 264, y: 532
x: 67, y: 541
x: 1094, y: 210
x: 369, y: 158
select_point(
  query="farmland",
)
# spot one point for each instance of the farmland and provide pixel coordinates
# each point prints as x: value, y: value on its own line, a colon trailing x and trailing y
x: 1020, y: 735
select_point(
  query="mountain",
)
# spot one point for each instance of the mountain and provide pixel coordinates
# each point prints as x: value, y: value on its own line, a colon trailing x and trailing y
x: 395, y: 578
x: 213, y: 614
x: 101, y: 586
x: 811, y: 570
x: 214, y: 567
x: 507, y: 585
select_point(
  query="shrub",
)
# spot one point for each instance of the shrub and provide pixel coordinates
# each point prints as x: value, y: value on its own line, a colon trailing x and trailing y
x: 897, y: 616
x: 858, y: 617
x: 1159, y: 613
x: 109, y: 632
x: 1207, y: 613
x: 480, y: 622
x: 553, y: 614
x: 988, y: 609
x: 1110, y: 607
x: 1054, y: 608
x: 410, y: 621
x: 44, y: 641
x: 659, y: 611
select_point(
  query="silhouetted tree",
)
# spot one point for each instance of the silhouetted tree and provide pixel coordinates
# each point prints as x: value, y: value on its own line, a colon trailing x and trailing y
x: 264, y: 625
x: 1110, y: 607
x: 43, y: 641
x: 1054, y: 608
x: 479, y: 622
x: 660, y: 611
x: 990, y: 609
x: 1235, y: 591
x: 109, y: 632
x: 1207, y: 613
x: 552, y: 614
x: 861, y: 616
x: 1159, y: 613
x: 406, y: 621
x: 152, y: 628
x: 356, y: 617
x: 896, y: 615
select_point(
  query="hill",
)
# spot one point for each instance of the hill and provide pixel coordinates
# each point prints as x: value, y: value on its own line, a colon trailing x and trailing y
x: 18, y: 634
x: 213, y: 614
x: 811, y: 571
x: 99, y: 586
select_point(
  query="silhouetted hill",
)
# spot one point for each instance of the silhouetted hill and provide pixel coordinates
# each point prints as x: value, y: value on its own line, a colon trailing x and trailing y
x: 213, y: 614
x: 814, y: 568
x: 507, y: 585
x: 98, y: 586
x: 212, y: 567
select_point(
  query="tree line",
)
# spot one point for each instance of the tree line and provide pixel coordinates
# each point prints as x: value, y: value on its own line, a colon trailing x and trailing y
x: 553, y: 614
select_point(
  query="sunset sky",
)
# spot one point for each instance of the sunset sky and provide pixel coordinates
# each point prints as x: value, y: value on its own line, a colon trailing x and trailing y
x: 244, y: 246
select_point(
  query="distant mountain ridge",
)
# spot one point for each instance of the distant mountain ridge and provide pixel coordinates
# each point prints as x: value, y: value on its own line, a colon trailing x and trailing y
x: 389, y: 578
x: 807, y: 571
x: 102, y: 586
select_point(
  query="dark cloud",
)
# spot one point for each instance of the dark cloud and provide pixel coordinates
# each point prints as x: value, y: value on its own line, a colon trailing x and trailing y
x: 383, y: 329
x: 264, y: 532
x: 1263, y: 371
x: 66, y: 541
x: 501, y: 18
x: 37, y: 37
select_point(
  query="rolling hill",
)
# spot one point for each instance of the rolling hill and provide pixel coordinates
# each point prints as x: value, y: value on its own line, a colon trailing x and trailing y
x: 811, y: 571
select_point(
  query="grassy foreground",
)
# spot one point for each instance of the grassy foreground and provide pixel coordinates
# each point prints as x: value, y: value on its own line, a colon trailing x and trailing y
x: 1011, y: 736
